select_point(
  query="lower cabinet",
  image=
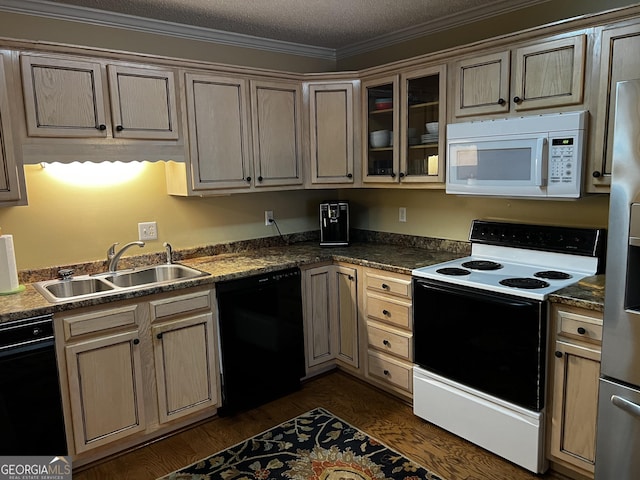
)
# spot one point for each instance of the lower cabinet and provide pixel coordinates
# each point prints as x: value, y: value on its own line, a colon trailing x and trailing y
x: 331, y: 317
x: 130, y: 369
x: 575, y: 370
x: 389, y: 331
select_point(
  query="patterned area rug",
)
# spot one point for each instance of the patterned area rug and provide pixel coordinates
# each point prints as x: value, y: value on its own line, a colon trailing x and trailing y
x: 314, y: 446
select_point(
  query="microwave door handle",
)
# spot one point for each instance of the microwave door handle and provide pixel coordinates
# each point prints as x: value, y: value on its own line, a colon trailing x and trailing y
x: 540, y: 167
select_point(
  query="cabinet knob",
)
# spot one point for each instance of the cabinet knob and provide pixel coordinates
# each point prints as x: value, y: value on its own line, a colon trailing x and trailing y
x: 582, y: 330
x: 136, y: 341
x: 386, y: 342
x: 596, y: 174
x: 385, y: 286
x: 517, y: 100
x: 393, y: 175
x: 119, y: 128
x: 385, y: 312
x: 558, y: 354
x: 501, y: 101
x: 159, y: 336
x: 349, y: 175
x: 248, y: 179
x: 401, y: 174
x: 350, y: 277
x: 386, y: 372
x: 260, y: 178
x: 102, y: 126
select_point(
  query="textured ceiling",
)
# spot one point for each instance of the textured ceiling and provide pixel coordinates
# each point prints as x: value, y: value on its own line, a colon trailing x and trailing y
x: 333, y: 24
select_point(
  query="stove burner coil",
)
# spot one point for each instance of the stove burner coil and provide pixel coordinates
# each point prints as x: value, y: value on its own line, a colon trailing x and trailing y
x: 453, y: 271
x: 482, y: 265
x: 552, y: 275
x: 528, y: 283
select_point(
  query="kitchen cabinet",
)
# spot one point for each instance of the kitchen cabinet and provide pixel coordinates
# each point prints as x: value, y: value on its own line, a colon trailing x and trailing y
x: 134, y: 370
x: 331, y: 133
x: 574, y: 396
x: 12, y: 186
x: 617, y: 45
x: 65, y: 97
x: 276, y: 109
x: 402, y: 105
x: 389, y: 325
x: 543, y: 75
x: 331, y: 317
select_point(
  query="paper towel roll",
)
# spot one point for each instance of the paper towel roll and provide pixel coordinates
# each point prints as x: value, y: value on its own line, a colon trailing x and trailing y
x: 8, y: 270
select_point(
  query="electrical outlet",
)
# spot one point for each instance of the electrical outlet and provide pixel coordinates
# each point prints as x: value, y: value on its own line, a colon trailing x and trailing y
x: 147, y: 231
x: 268, y: 217
x: 402, y: 214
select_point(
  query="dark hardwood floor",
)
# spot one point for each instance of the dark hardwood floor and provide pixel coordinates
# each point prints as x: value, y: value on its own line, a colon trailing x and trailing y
x: 367, y: 408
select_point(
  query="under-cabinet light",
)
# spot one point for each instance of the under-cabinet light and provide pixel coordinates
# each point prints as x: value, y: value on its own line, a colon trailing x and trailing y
x: 90, y: 174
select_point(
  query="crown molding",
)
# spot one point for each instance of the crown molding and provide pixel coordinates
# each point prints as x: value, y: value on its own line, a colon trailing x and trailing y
x: 43, y: 8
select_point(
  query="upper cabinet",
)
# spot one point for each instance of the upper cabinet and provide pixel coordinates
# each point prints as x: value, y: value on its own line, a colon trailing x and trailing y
x: 618, y: 45
x: 331, y: 133
x: 66, y: 98
x: 543, y: 75
x: 403, y: 134
x: 12, y: 187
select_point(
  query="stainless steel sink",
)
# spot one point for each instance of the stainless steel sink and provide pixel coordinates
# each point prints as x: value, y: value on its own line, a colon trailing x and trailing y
x: 154, y: 274
x: 76, y: 287
x: 91, y: 286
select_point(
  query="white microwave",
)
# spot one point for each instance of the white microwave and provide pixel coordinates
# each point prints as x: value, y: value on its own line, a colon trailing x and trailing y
x: 539, y: 156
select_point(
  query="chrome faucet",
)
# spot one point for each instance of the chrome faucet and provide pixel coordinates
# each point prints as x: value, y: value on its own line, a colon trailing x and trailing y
x: 114, y: 256
x: 169, y: 251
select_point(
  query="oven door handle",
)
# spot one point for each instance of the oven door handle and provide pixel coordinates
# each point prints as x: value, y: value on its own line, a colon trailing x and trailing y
x: 470, y: 293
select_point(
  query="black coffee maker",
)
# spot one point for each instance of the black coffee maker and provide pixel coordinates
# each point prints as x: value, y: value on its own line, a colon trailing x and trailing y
x: 334, y: 223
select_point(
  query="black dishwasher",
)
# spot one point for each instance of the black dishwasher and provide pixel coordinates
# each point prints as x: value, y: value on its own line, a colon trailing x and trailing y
x: 261, y: 338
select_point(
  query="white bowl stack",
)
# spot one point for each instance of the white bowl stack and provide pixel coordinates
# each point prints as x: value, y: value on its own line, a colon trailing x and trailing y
x: 432, y: 133
x: 380, y: 138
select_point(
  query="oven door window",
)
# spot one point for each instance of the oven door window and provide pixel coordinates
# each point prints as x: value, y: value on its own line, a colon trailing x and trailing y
x: 490, y: 342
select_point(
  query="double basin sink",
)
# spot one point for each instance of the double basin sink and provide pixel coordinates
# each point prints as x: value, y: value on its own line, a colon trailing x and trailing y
x: 91, y: 286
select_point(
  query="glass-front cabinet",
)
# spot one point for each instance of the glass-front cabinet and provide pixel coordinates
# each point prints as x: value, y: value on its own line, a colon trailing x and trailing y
x: 404, y: 124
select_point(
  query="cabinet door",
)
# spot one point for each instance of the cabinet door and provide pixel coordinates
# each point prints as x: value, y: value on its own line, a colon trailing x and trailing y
x: 345, y: 303
x: 618, y: 45
x: 482, y: 85
x: 421, y: 152
x: 218, y: 118
x: 549, y: 74
x: 185, y: 363
x: 143, y: 103
x: 317, y: 312
x: 575, y: 404
x: 276, y: 122
x: 105, y: 388
x: 331, y: 133
x: 9, y: 172
x: 63, y: 97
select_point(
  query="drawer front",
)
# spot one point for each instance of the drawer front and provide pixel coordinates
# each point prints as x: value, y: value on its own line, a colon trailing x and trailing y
x: 386, y: 284
x: 99, y: 321
x: 192, y: 302
x: 579, y: 326
x: 398, y: 314
x: 390, y: 371
x: 394, y: 343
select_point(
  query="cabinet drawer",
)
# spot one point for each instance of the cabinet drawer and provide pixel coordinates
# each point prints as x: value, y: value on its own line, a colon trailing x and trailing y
x: 390, y: 370
x: 379, y: 282
x: 393, y: 342
x: 388, y: 311
x: 99, y: 321
x: 191, y: 302
x: 579, y: 326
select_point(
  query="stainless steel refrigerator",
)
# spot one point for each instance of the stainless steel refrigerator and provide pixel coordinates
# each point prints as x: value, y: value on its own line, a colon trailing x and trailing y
x: 618, y: 437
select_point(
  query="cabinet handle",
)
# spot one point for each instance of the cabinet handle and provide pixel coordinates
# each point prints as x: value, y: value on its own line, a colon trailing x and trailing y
x: 558, y: 354
x: 136, y: 341
x: 385, y: 286
x: 349, y: 175
x: 386, y: 372
x: 119, y: 128
x: 260, y: 178
x: 386, y: 342
x: 159, y: 336
x: 517, y: 100
x: 596, y: 174
x: 385, y: 312
x: 248, y: 179
x: 582, y: 330
x: 501, y: 101
x: 102, y: 126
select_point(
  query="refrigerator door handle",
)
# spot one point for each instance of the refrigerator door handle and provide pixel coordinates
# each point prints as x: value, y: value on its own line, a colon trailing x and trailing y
x: 626, y: 405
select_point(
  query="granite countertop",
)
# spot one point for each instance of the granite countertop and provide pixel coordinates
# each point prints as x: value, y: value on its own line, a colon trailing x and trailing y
x: 227, y: 266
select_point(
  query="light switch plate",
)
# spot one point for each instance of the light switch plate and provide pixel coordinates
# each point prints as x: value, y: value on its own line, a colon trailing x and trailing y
x: 402, y: 214
x: 147, y: 231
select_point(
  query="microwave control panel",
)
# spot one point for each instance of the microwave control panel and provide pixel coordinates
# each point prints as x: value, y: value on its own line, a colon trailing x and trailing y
x: 564, y: 167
